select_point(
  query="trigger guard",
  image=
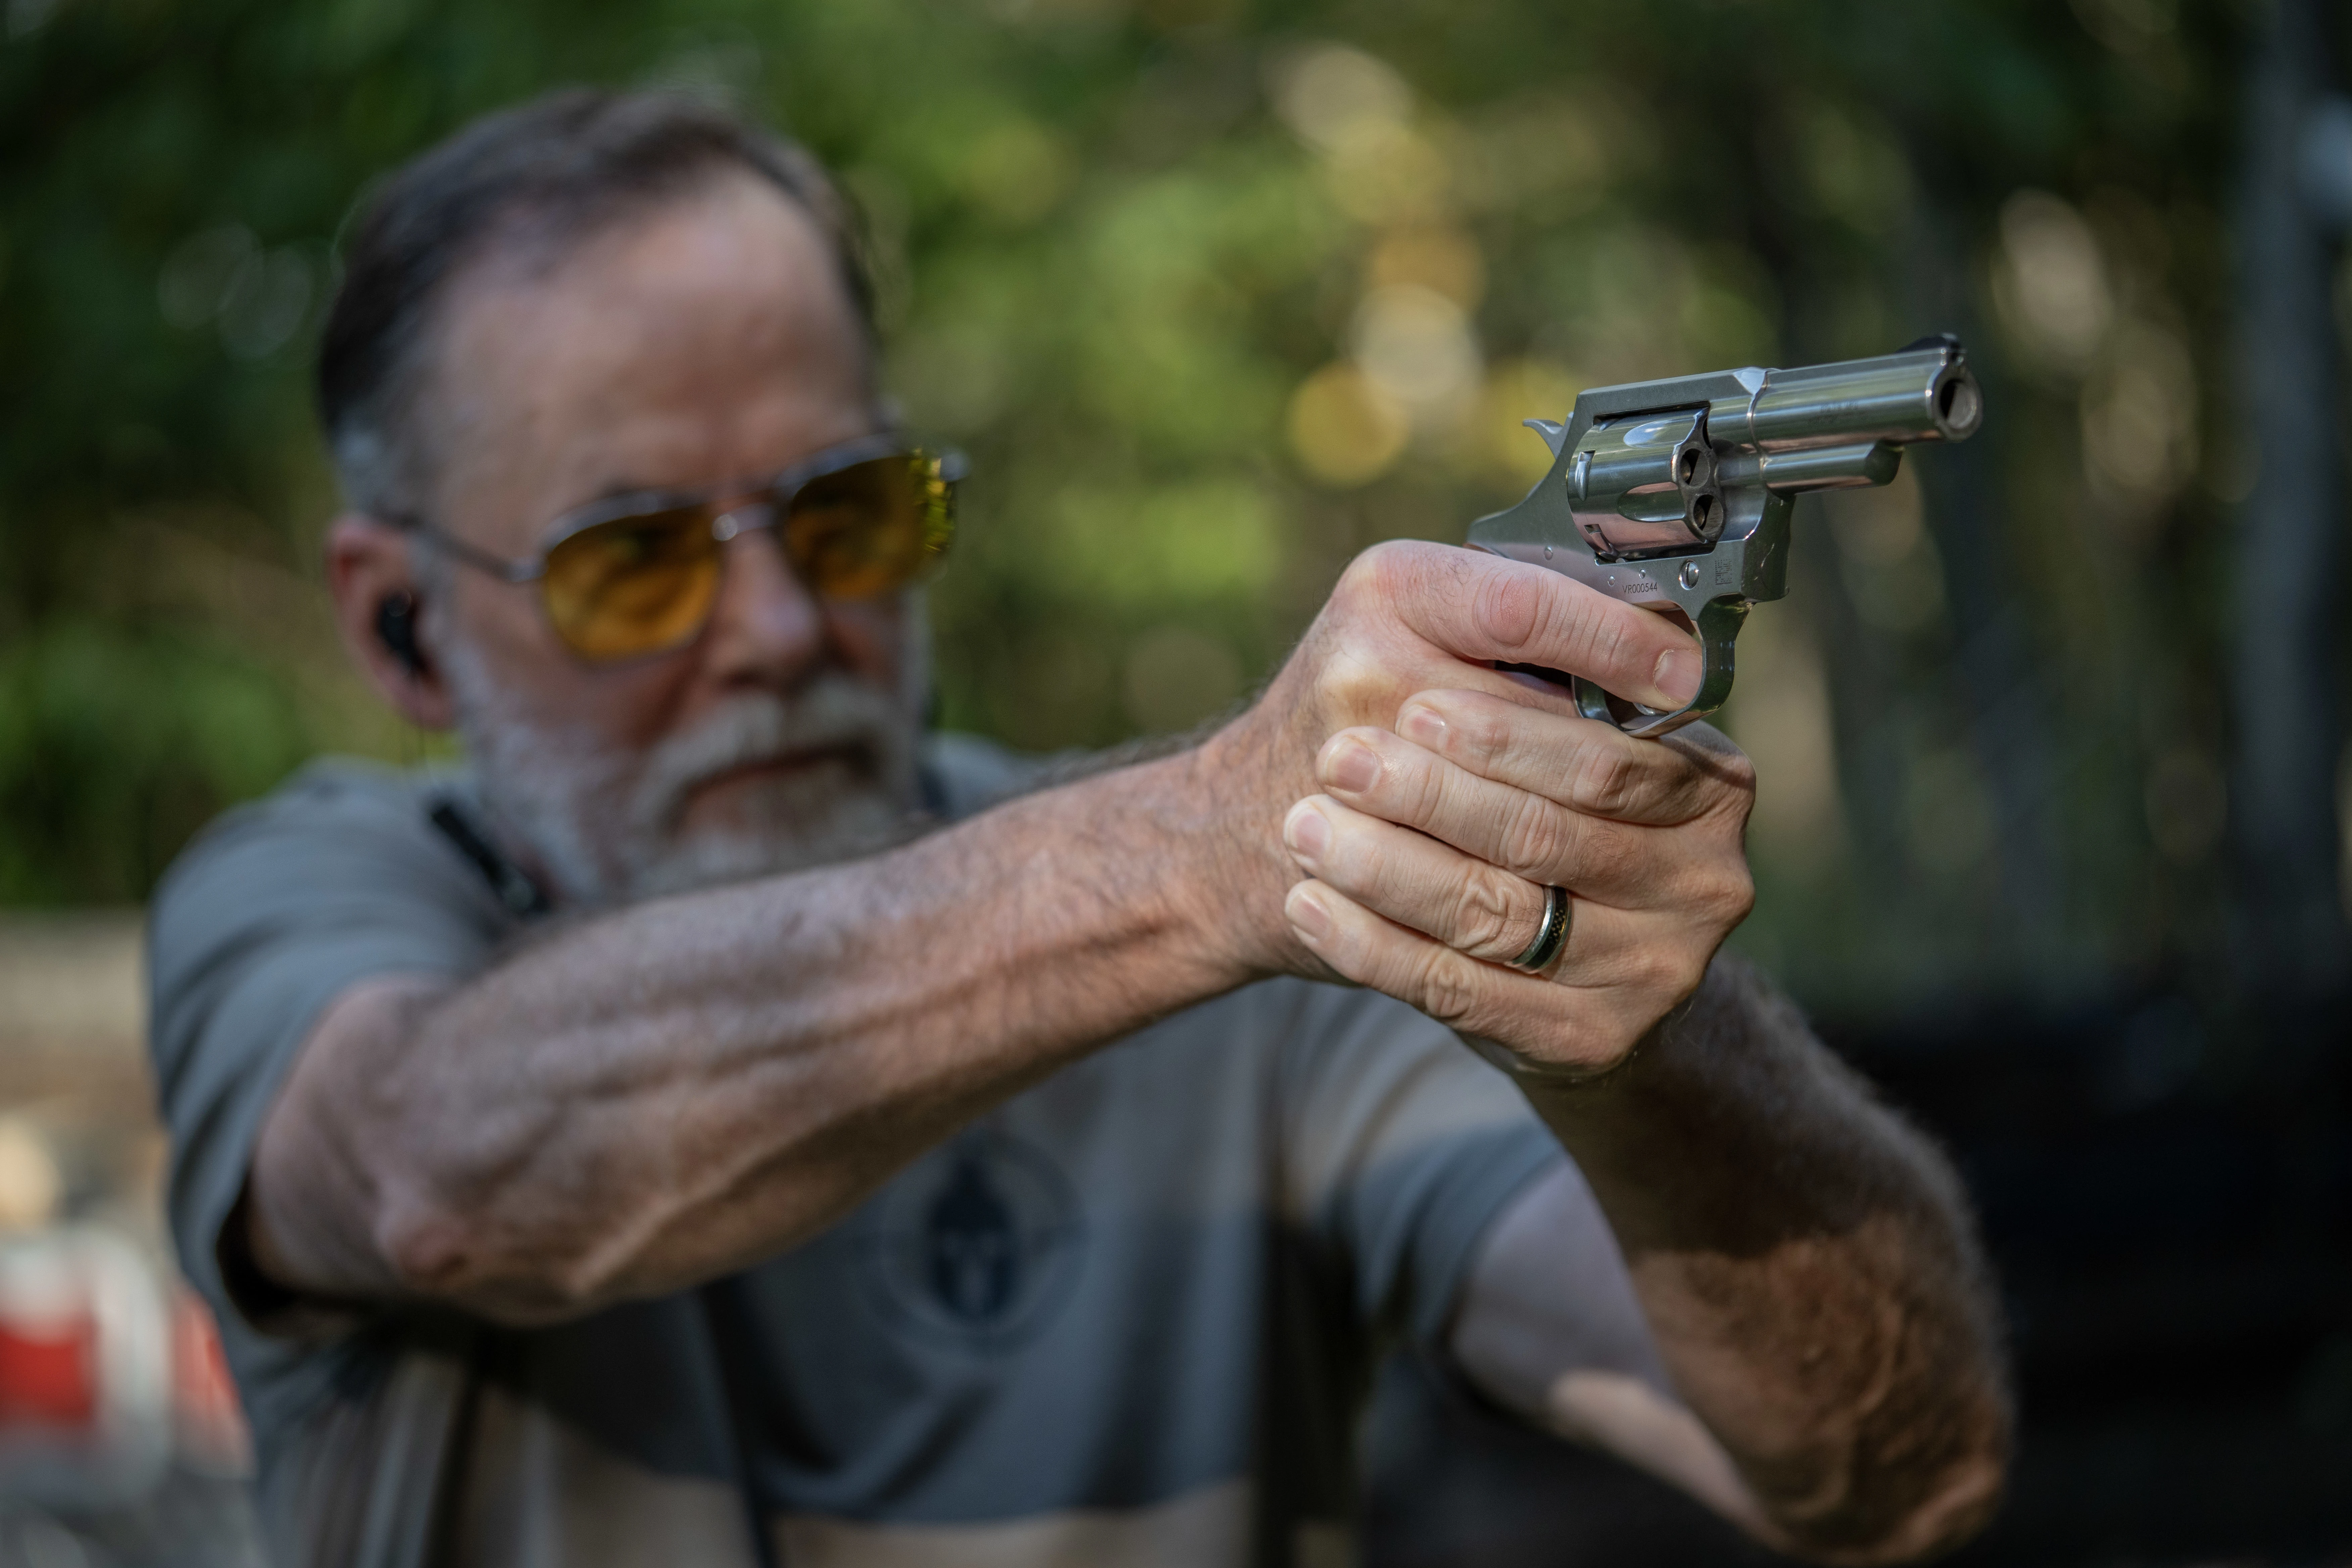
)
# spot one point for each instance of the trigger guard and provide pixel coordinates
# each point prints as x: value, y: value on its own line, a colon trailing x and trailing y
x: 1719, y: 624
x: 1642, y: 723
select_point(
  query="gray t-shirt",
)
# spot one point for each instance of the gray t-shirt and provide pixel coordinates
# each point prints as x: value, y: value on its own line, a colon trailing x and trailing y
x: 1127, y: 1317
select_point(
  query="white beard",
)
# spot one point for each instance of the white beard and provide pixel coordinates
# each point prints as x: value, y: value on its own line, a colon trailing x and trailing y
x: 610, y: 827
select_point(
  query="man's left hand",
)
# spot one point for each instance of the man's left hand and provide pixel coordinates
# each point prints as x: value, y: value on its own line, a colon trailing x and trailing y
x: 1431, y: 851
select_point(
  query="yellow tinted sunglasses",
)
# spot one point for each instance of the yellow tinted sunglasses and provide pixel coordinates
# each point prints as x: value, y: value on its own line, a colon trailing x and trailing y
x: 635, y: 574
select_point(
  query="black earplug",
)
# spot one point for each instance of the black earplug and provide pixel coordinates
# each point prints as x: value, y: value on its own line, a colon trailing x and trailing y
x: 396, y: 627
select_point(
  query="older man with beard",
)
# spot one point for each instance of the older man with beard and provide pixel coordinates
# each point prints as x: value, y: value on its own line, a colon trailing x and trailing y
x: 718, y: 1125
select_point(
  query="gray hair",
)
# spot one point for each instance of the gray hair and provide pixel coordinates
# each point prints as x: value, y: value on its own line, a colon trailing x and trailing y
x: 546, y: 175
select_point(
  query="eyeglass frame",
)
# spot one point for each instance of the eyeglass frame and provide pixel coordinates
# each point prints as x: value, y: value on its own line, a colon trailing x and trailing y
x: 776, y: 495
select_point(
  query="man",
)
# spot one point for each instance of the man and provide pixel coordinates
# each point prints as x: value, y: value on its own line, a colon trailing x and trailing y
x: 705, y: 1128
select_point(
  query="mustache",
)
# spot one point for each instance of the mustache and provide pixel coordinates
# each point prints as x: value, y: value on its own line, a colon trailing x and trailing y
x: 833, y: 714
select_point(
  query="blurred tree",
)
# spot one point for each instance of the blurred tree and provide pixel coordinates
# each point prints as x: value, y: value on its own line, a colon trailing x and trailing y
x: 1218, y: 292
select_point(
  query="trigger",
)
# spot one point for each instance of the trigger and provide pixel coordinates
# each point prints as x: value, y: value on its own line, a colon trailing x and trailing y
x: 1553, y: 435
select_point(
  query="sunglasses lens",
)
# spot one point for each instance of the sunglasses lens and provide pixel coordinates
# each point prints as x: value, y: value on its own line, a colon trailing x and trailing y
x: 872, y: 527
x: 633, y: 585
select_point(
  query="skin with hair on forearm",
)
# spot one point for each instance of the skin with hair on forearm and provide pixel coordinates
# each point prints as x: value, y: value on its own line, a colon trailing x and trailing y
x: 1809, y: 1271
x: 660, y: 1095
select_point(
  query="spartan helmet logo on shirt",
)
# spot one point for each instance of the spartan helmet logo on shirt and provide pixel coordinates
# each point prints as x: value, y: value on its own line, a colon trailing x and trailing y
x: 975, y: 1253
x: 976, y: 1243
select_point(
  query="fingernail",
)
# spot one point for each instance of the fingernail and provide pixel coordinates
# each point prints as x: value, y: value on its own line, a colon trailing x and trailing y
x: 1308, y: 915
x: 1352, y: 766
x: 1422, y: 727
x: 1678, y: 674
x: 1308, y: 831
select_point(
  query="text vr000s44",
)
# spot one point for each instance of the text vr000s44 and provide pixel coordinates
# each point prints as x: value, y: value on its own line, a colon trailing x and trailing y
x: 1675, y: 495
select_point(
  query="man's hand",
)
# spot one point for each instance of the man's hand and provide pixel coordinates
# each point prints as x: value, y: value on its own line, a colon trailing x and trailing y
x: 1409, y: 618
x: 1431, y: 849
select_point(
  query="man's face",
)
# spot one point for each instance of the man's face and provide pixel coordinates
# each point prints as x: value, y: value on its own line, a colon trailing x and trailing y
x: 702, y: 341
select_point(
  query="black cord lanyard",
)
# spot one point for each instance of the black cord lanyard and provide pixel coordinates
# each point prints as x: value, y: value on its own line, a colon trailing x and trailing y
x: 720, y: 1298
x: 518, y: 892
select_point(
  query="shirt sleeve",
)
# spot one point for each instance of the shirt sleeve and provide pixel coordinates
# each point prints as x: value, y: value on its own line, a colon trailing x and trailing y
x: 1400, y: 1148
x: 273, y: 913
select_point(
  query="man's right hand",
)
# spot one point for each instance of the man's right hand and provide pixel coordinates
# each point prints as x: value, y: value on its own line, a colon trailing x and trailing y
x: 1406, y: 618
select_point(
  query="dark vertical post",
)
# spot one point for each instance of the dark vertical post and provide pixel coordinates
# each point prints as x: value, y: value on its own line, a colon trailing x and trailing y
x: 2289, y: 593
x: 2009, y: 719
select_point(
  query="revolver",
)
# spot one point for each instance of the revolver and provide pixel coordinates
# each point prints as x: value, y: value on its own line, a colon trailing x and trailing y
x: 1675, y: 495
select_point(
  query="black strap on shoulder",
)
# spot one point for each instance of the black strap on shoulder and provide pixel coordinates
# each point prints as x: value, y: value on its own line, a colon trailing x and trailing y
x: 722, y: 1304
x: 443, y: 1528
x: 517, y: 891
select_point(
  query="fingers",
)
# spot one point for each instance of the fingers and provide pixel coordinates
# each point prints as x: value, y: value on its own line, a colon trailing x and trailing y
x: 1693, y: 888
x: 1583, y: 764
x: 1576, y: 1024
x: 1485, y: 608
x: 1470, y: 906
x: 1517, y: 830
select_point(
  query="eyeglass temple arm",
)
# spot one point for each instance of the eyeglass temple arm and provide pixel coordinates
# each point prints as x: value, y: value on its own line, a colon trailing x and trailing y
x: 472, y: 555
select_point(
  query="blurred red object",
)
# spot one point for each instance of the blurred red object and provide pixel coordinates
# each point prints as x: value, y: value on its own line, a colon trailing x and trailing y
x: 85, y: 1368
x: 208, y: 1422
x: 49, y: 1372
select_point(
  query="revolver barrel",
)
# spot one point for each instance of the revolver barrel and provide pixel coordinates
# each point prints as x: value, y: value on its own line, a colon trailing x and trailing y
x: 1919, y: 394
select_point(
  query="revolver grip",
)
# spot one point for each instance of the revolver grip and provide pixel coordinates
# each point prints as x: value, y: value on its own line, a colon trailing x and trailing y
x: 1718, y: 623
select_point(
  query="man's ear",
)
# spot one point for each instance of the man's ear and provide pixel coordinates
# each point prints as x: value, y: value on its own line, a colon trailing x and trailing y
x: 378, y: 606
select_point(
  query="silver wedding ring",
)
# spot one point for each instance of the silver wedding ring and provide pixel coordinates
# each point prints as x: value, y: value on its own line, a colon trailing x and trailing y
x: 1551, y: 936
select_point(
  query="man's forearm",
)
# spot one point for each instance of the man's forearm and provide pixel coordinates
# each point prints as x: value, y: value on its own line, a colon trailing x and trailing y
x: 1808, y: 1267
x: 667, y: 1092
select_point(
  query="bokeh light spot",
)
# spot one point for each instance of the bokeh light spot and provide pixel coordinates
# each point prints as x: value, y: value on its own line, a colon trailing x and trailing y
x: 1345, y: 429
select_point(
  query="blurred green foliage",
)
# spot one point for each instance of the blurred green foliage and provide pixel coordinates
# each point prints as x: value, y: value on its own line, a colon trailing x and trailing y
x: 1218, y: 292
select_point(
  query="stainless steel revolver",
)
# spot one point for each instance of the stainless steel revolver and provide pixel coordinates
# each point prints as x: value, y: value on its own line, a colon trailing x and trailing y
x: 1675, y: 495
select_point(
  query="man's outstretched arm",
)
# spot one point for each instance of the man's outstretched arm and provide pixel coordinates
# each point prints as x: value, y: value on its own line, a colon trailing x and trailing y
x: 1809, y: 1266
x: 646, y: 1099
x: 669, y: 1092
x: 1803, y: 1260
x: 1805, y: 1273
